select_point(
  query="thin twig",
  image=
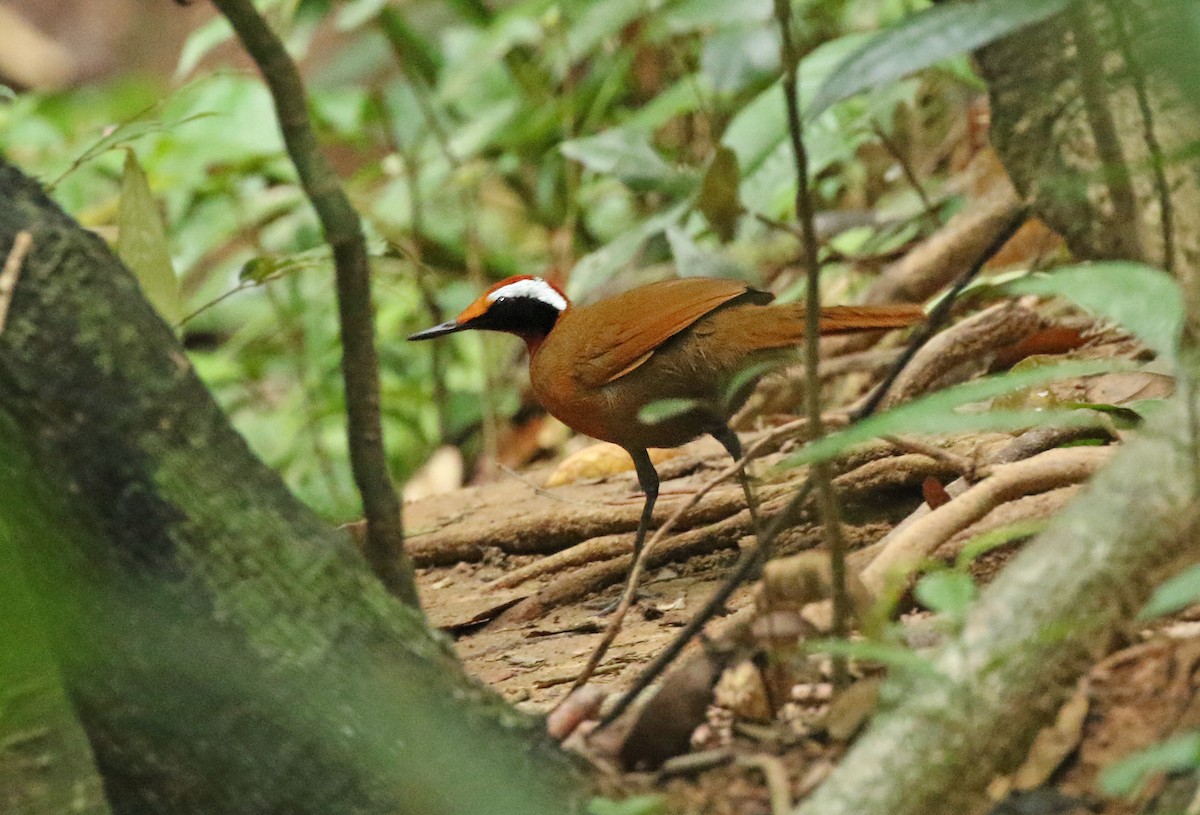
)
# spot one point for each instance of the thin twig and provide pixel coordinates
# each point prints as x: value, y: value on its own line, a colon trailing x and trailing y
x: 964, y: 466
x: 12, y: 271
x: 827, y: 504
x: 773, y: 223
x: 779, y: 788
x: 539, y: 490
x: 220, y: 298
x: 384, y: 547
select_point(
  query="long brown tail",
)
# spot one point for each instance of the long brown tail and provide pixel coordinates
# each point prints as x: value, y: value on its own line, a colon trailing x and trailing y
x: 847, y: 319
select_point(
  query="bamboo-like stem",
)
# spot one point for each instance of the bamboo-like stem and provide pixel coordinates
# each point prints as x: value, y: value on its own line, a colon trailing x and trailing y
x: 827, y: 504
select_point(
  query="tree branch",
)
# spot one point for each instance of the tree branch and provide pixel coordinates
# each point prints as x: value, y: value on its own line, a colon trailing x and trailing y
x: 827, y: 504
x: 384, y: 546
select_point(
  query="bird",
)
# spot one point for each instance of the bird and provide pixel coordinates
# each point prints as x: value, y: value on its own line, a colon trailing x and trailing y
x: 702, y: 341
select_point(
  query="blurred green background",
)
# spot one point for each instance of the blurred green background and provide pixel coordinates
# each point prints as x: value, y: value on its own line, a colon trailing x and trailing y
x: 601, y: 144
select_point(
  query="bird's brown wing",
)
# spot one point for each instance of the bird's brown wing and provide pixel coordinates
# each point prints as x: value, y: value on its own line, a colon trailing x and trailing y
x: 621, y: 333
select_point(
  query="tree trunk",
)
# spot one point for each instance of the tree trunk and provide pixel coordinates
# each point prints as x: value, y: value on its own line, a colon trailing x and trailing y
x: 225, y: 650
x: 1094, y: 117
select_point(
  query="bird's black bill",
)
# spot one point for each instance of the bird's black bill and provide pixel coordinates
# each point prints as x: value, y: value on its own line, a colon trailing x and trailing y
x: 438, y: 331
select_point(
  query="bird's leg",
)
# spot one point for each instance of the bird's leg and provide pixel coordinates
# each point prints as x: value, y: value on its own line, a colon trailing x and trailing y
x: 648, y: 479
x: 733, y: 445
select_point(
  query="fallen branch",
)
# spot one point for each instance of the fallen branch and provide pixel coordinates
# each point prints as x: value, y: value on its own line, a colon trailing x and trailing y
x: 1045, y: 471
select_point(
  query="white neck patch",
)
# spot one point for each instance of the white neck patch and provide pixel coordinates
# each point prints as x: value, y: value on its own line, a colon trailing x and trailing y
x: 533, y: 288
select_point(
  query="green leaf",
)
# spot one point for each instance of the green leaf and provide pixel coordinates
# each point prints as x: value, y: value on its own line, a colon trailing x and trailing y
x: 1145, y: 301
x: 899, y: 657
x: 1126, y: 777
x: 747, y: 376
x: 718, y: 198
x: 200, y: 42
x: 926, y: 38
x: 629, y: 156
x: 946, y: 592
x: 142, y: 242
x: 600, y: 265
x: 661, y: 410
x: 939, y: 412
x: 693, y: 261
x: 995, y: 538
x: 1175, y: 594
x: 600, y: 21
x: 737, y: 58
x: 634, y: 805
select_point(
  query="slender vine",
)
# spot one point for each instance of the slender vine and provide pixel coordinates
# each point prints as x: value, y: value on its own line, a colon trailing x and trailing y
x: 384, y: 546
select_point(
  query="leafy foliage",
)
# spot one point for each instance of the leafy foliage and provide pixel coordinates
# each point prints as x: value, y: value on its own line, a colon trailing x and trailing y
x: 605, y: 139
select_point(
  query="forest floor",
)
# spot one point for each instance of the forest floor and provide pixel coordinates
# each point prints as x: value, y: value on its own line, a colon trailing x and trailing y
x: 754, y: 750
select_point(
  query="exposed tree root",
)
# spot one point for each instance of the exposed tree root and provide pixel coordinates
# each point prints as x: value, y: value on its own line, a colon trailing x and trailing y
x: 965, y: 349
x: 1045, y: 471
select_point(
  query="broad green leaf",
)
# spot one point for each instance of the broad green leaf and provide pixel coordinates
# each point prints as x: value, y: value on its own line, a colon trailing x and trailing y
x: 1126, y: 777
x: 939, y: 412
x: 718, y: 198
x: 1175, y: 594
x: 946, y: 592
x: 926, y: 38
x: 758, y: 134
x: 661, y: 410
x: 1145, y: 301
x: 704, y: 15
x: 634, y: 805
x: 598, y: 266
x: 355, y: 13
x: 598, y: 22
x: 629, y: 156
x: 737, y: 58
x: 995, y: 538
x: 686, y: 95
x: 739, y: 385
x: 142, y: 242
x: 894, y: 656
x: 418, y: 52
x: 201, y: 42
x: 693, y: 261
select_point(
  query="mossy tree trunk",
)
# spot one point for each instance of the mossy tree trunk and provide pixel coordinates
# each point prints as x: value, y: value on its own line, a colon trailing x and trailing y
x: 224, y: 649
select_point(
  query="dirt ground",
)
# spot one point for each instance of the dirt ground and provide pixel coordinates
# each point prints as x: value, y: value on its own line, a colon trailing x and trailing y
x: 759, y: 746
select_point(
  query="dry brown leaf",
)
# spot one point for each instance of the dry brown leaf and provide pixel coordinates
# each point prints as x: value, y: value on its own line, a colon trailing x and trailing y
x: 599, y: 461
x: 443, y: 472
x: 934, y: 493
x: 1133, y: 386
x: 742, y: 691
